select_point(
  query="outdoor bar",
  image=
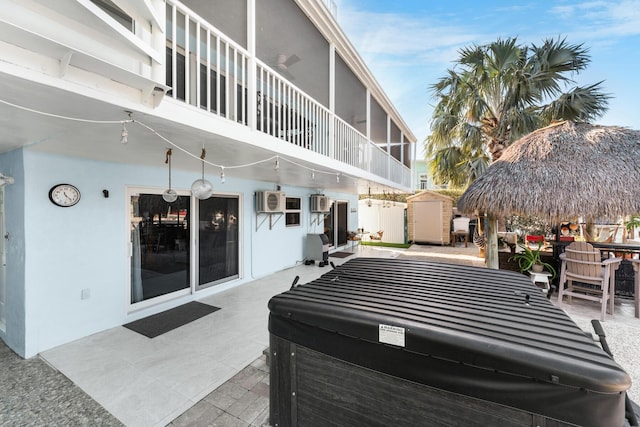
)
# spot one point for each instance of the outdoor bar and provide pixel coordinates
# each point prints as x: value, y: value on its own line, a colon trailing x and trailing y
x: 401, y: 342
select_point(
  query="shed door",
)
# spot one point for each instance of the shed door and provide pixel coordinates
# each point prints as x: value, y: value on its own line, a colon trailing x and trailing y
x: 427, y: 221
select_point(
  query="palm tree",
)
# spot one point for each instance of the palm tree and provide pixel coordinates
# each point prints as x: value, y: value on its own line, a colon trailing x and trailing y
x: 500, y: 92
x: 458, y: 164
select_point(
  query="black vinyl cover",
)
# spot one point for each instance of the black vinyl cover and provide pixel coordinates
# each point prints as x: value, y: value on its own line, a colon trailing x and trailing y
x: 490, y: 334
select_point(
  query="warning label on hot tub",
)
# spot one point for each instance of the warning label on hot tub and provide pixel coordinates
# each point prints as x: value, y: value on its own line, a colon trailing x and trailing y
x: 393, y: 335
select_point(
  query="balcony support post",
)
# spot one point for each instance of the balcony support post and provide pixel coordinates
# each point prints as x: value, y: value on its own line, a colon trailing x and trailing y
x: 252, y: 98
x: 332, y: 101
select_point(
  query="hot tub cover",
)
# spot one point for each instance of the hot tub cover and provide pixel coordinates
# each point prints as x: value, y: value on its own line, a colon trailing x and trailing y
x: 490, y: 334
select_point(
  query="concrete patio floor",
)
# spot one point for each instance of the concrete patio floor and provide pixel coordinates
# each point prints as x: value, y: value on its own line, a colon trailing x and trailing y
x: 211, y: 371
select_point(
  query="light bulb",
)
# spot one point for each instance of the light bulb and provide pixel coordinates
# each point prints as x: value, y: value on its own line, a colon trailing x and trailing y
x: 201, y: 189
x: 124, y: 135
x: 170, y: 195
x: 222, y: 177
x: 277, y: 166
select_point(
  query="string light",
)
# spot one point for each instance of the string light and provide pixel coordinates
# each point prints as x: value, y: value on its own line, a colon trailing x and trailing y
x: 313, y: 175
x: 171, y: 143
x: 222, y: 175
x: 124, y: 134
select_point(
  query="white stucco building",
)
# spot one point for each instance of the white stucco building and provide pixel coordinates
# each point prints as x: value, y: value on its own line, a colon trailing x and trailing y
x: 93, y: 93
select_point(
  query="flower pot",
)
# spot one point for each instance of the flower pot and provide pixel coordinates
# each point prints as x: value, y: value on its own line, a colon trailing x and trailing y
x: 537, y: 268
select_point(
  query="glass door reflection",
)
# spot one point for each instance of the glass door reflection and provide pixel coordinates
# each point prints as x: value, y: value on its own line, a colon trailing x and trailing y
x: 160, y: 246
x: 218, y: 250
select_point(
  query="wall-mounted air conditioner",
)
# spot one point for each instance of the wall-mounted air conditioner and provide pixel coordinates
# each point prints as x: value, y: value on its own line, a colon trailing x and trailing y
x: 270, y: 201
x: 320, y: 203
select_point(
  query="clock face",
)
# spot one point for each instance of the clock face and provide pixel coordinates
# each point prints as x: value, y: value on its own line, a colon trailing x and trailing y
x: 64, y: 195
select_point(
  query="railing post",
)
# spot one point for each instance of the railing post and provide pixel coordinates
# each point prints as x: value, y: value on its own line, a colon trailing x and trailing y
x: 388, y: 147
x: 332, y: 101
x: 158, y: 40
x: 252, y: 98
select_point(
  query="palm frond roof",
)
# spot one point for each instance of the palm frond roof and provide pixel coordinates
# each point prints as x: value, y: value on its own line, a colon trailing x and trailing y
x: 562, y: 171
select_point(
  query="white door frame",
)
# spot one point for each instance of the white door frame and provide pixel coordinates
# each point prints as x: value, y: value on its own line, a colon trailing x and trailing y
x: 3, y: 264
x: 132, y: 307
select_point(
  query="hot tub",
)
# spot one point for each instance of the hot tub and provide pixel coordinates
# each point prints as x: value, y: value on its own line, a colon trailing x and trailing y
x: 387, y: 342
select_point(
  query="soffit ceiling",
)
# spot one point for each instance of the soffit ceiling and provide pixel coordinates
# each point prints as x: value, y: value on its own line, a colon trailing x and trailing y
x: 21, y: 127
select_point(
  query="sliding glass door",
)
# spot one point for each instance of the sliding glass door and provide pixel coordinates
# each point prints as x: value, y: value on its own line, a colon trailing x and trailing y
x: 159, y: 246
x: 335, y: 224
x: 169, y: 257
x: 218, y: 249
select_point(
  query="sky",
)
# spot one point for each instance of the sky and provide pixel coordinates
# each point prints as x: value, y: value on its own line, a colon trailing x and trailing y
x: 410, y: 44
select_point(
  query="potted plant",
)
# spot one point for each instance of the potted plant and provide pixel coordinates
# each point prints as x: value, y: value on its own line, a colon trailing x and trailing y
x: 631, y: 225
x: 530, y: 259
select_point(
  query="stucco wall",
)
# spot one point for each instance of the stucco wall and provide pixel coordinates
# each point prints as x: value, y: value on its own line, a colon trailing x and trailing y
x: 85, y: 247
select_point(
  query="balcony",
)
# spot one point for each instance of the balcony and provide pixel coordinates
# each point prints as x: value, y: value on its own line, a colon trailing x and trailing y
x: 208, y: 70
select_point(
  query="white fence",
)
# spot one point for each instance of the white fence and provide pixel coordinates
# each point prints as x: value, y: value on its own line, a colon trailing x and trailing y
x: 383, y: 216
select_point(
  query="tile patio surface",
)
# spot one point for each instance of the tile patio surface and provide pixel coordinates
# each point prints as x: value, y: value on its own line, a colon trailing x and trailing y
x: 211, y: 371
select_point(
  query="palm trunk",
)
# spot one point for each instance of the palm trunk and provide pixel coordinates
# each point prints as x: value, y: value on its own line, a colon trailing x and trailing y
x: 491, y: 252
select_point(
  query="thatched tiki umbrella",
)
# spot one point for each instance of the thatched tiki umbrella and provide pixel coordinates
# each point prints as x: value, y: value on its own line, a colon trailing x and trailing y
x: 559, y: 172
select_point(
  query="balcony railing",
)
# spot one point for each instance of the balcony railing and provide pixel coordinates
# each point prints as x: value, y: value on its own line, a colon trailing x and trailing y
x: 206, y: 69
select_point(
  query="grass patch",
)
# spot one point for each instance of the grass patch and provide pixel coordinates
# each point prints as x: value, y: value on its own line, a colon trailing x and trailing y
x: 387, y: 245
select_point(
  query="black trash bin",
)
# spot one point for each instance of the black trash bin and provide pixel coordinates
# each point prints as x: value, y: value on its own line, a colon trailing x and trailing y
x: 379, y: 342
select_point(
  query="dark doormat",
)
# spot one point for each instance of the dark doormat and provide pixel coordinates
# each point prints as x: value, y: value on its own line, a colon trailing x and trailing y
x: 341, y: 254
x: 158, y: 324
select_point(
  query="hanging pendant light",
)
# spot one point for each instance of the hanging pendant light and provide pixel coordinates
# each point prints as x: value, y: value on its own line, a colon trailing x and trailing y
x: 169, y: 194
x: 201, y: 188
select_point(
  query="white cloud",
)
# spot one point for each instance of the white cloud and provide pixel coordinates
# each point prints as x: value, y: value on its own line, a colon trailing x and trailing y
x: 408, y: 53
x: 420, y: 38
x: 601, y: 19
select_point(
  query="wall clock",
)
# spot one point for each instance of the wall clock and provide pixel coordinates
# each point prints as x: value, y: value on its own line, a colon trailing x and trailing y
x: 64, y: 195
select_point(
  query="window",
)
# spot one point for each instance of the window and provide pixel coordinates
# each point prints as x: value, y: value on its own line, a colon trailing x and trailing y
x: 292, y: 211
x: 424, y: 181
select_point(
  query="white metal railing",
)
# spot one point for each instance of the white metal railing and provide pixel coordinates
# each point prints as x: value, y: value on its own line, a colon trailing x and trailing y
x: 287, y: 113
x: 379, y: 164
x: 208, y: 70
x: 350, y: 145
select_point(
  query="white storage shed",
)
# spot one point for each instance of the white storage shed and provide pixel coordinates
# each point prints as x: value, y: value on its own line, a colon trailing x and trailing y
x: 429, y: 217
